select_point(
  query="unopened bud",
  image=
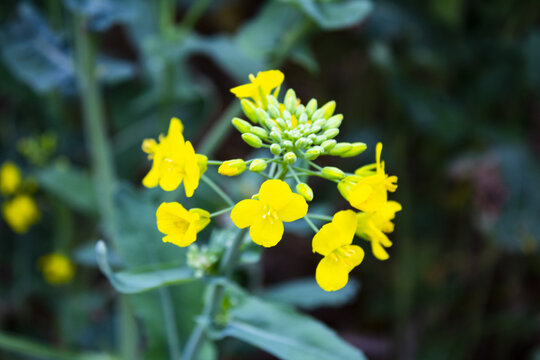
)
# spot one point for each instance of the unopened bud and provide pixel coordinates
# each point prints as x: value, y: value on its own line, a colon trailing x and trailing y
x: 311, y: 107
x: 232, y: 167
x: 273, y: 111
x: 300, y: 109
x: 290, y: 101
x: 275, y: 135
x: 275, y: 149
x: 320, y: 123
x: 252, y: 140
x: 272, y: 101
x: 329, y: 108
x: 287, y: 143
x: 259, y: 131
x: 319, y: 114
x: 289, y: 158
x: 331, y: 133
x: 258, y: 165
x: 303, y: 118
x: 331, y: 172
x: 262, y: 115
x: 301, y: 143
x: 304, y: 190
x: 357, y: 148
x: 333, y: 122
x: 328, y: 144
x: 250, y: 110
x: 241, y: 125
x: 340, y: 148
x: 313, y: 153
x: 281, y: 123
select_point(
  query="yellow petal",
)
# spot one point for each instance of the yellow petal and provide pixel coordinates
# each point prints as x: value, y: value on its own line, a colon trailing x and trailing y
x: 191, y: 170
x: 247, y: 90
x: 275, y: 193
x: 170, y: 179
x: 266, y: 231
x: 184, y: 239
x: 203, y: 218
x: 172, y: 218
x: 202, y: 162
x: 175, y: 134
x: 10, y: 178
x: 378, y: 251
x: 333, y: 270
x: 246, y: 212
x: 338, y: 233
x: 268, y: 80
x: 152, y: 178
x: 295, y: 209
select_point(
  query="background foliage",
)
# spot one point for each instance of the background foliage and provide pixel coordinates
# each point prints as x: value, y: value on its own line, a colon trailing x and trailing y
x: 451, y: 88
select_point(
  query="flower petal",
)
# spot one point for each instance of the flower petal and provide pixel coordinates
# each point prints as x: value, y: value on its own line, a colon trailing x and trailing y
x: 172, y: 218
x: 378, y: 251
x: 295, y: 209
x: 247, y: 90
x: 266, y: 232
x: 268, y: 80
x: 203, y: 218
x: 338, y: 233
x: 246, y: 212
x: 175, y: 138
x: 191, y: 170
x: 332, y: 274
x: 275, y: 193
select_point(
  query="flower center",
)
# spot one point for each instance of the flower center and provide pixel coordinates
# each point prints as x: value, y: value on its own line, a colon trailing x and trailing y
x: 270, y: 214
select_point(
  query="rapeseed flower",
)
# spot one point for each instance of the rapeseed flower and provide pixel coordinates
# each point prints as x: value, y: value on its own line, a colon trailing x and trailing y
x: 180, y: 225
x: 276, y: 203
x: 333, y: 241
x: 232, y: 167
x: 10, y: 178
x: 57, y: 269
x: 20, y: 213
x: 260, y: 86
x: 373, y: 226
x: 367, y: 189
x: 174, y: 161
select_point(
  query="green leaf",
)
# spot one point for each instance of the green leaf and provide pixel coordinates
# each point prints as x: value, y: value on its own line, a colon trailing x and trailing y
x: 133, y: 281
x: 334, y: 15
x: 283, y: 332
x: 307, y: 294
x: 69, y: 184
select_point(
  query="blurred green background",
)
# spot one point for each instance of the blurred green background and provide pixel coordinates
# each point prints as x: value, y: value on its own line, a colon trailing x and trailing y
x: 450, y: 87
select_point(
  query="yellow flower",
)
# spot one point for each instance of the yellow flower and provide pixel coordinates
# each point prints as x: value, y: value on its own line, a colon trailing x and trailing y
x: 10, y: 178
x: 174, y: 161
x: 180, y: 225
x: 334, y: 241
x: 260, y: 86
x: 20, y: 213
x: 367, y: 189
x: 232, y: 167
x: 57, y: 269
x: 373, y: 226
x: 276, y: 203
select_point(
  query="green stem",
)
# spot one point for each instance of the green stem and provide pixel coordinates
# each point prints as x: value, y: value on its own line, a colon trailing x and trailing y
x: 194, y: 13
x: 217, y: 190
x: 294, y: 175
x: 311, y: 224
x: 214, y: 214
x: 214, y: 162
x: 314, y: 165
x: 319, y: 217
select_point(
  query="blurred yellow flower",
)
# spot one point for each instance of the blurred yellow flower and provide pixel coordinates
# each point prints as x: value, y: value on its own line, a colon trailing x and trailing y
x: 174, y: 161
x: 10, y: 178
x: 276, y: 203
x: 180, y: 225
x: 232, y: 167
x: 57, y: 269
x: 367, y: 189
x: 20, y: 213
x: 373, y: 226
x: 261, y: 85
x: 333, y: 241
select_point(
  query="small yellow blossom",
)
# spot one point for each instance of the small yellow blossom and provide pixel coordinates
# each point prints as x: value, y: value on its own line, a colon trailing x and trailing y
x: 276, y: 203
x: 334, y: 241
x: 20, y: 213
x: 260, y: 86
x: 180, y: 225
x: 10, y: 178
x: 174, y: 161
x: 367, y: 189
x: 232, y: 167
x: 57, y: 269
x: 373, y: 226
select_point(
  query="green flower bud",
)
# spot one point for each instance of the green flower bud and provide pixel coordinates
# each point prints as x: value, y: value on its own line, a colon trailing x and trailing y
x: 275, y: 135
x: 289, y: 158
x: 260, y: 132
x: 275, y: 149
x: 329, y: 108
x: 313, y: 153
x: 241, y: 125
x: 320, y: 123
x: 319, y: 114
x: 333, y: 122
x: 315, y: 129
x: 281, y: 123
x: 273, y: 111
x: 252, y: 140
x: 250, y: 110
x: 340, y: 148
x: 262, y: 115
x: 328, y: 144
x: 258, y: 165
x: 331, y: 133
x: 319, y: 139
x: 287, y: 143
x: 311, y: 107
x: 286, y: 115
x: 290, y: 101
x: 303, y: 118
x: 357, y: 148
x: 232, y: 167
x: 301, y: 143
x: 273, y: 101
x: 304, y: 190
x: 300, y: 109
x: 332, y: 173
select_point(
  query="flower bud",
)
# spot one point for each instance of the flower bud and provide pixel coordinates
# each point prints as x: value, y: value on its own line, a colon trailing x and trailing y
x: 301, y: 143
x: 286, y: 115
x: 252, y: 140
x: 303, y: 118
x: 259, y: 131
x: 272, y: 101
x: 290, y: 101
x: 357, y: 148
x: 241, y: 125
x: 331, y: 133
x: 232, y: 167
x: 329, y: 108
x: 287, y: 143
x: 281, y: 123
x: 258, y: 165
x: 275, y: 135
x: 262, y: 115
x: 304, y: 190
x: 319, y: 114
x: 328, y: 144
x: 313, y: 153
x: 315, y: 129
x: 300, y: 109
x: 333, y: 122
x: 340, y: 148
x: 250, y: 110
x: 275, y: 149
x: 331, y: 172
x: 311, y: 107
x: 289, y: 158
x: 319, y: 139
x: 320, y: 123
x: 273, y: 112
